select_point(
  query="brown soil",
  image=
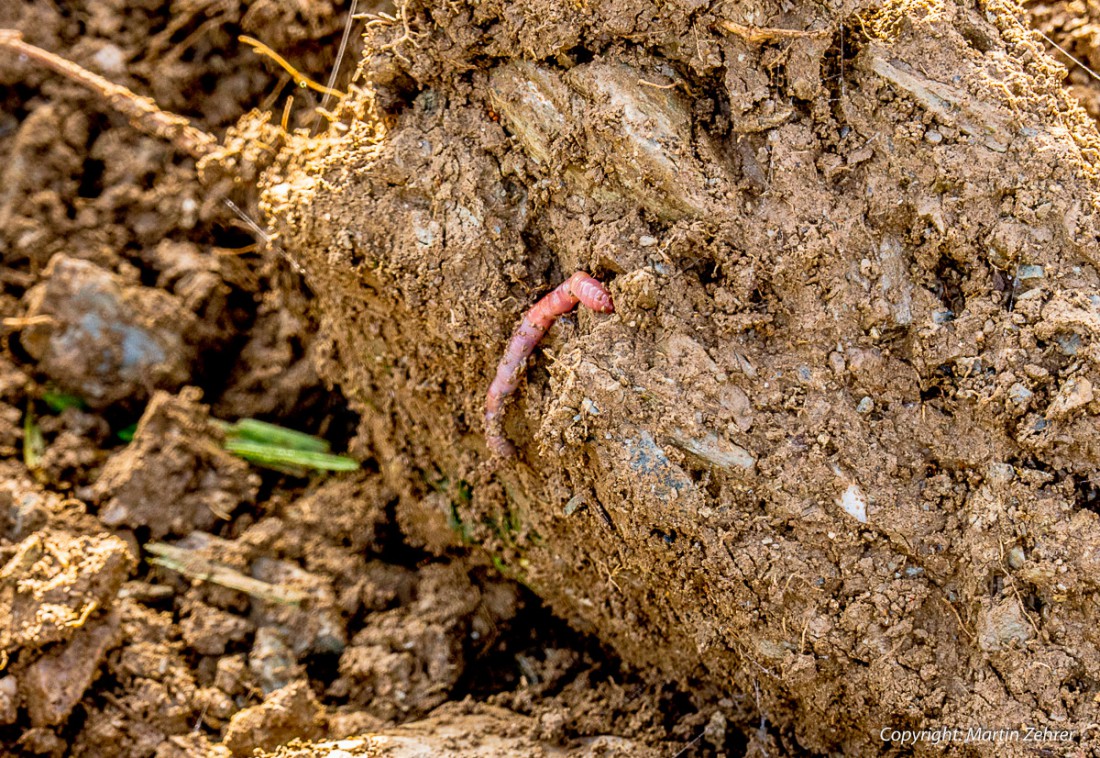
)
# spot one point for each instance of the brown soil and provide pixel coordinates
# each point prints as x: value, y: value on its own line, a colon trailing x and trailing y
x: 830, y: 467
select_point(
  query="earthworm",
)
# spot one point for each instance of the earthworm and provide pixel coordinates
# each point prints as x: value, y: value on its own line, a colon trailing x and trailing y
x: 579, y: 288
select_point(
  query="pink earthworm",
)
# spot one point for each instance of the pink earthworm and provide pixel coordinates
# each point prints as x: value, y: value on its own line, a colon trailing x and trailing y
x: 579, y: 288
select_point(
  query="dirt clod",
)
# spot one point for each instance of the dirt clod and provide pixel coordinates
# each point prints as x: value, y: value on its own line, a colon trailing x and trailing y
x: 406, y: 660
x: 53, y: 684
x: 286, y: 714
x: 54, y: 582
x: 105, y: 339
x: 209, y: 631
x: 174, y: 477
x: 884, y: 239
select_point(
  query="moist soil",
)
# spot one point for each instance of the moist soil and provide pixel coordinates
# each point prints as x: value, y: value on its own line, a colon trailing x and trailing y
x: 829, y: 468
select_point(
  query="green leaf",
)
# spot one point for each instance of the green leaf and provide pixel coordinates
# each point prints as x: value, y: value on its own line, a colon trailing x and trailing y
x: 126, y: 434
x: 60, y: 401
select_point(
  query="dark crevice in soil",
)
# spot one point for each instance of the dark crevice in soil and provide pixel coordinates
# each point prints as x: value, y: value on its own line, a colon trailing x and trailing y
x: 1087, y: 494
x: 950, y: 278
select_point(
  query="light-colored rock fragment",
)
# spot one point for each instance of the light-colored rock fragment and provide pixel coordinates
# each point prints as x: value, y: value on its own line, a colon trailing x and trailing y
x: 1001, y: 625
x: 894, y: 281
x: 1074, y: 394
x: 716, y: 451
x: 853, y: 502
x: 646, y: 143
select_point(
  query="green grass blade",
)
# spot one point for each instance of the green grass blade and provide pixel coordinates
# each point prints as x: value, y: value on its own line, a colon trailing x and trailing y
x: 269, y: 455
x: 276, y: 436
x: 34, y: 444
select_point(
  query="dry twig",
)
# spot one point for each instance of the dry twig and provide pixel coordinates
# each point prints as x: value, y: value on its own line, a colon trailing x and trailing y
x: 143, y: 113
x: 759, y: 34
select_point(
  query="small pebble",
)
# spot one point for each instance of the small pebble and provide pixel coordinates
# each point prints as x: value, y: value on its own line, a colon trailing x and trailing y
x: 837, y: 362
x: 1019, y: 394
x: 9, y: 700
x: 1029, y: 272
x: 647, y: 241
x: 271, y: 660
x: 866, y: 405
x: 1000, y: 473
x: 1016, y: 557
x: 933, y: 137
x: 110, y: 59
x: 574, y: 503
x: 854, y: 503
x: 715, y: 730
x: 1069, y: 343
